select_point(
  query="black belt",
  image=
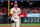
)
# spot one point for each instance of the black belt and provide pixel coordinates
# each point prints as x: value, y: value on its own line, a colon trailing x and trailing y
x: 15, y: 18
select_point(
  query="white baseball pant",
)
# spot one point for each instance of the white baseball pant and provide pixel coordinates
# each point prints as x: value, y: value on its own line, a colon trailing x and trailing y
x: 17, y: 23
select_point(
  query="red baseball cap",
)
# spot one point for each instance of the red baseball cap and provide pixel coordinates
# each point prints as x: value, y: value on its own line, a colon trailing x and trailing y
x: 15, y: 3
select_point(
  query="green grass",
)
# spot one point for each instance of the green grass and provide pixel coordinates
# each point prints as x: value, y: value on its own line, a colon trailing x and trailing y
x: 5, y: 24
x: 23, y: 24
x: 30, y: 24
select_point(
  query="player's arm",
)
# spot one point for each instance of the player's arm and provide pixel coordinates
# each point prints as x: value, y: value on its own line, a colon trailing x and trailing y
x: 11, y: 13
x: 19, y: 15
x: 20, y: 19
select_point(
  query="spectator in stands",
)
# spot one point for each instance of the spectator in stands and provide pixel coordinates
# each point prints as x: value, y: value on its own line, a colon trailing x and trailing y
x: 24, y: 12
x: 21, y: 11
x: 39, y: 9
x: 1, y: 14
x: 35, y: 10
x: 27, y: 10
x: 32, y: 10
x: 5, y: 11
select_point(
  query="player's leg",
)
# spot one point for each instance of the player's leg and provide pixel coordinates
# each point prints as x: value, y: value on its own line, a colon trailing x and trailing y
x: 17, y: 24
x: 13, y: 25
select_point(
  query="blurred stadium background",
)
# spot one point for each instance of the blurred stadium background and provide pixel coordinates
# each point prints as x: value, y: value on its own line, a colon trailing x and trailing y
x: 29, y: 7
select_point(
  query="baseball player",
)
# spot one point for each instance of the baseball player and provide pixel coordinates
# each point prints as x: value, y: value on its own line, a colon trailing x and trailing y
x: 14, y: 14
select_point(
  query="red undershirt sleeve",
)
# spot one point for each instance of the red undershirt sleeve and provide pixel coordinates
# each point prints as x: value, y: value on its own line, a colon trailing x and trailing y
x: 10, y: 15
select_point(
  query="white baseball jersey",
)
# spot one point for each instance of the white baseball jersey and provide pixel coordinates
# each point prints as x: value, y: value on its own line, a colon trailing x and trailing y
x: 15, y: 12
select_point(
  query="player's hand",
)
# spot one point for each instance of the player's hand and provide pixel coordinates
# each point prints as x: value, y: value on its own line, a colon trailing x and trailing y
x: 20, y: 21
x: 11, y: 19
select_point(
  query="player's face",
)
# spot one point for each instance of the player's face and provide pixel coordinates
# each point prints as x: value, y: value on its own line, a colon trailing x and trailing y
x: 15, y: 5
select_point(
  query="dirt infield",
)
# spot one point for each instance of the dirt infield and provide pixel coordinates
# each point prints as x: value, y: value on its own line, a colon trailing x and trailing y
x: 21, y: 26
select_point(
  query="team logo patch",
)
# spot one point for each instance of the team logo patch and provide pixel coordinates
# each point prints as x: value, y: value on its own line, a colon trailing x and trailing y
x: 14, y: 12
x: 18, y: 10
